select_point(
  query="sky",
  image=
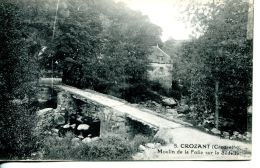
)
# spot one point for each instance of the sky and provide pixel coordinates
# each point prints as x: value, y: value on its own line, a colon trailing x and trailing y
x: 165, y: 13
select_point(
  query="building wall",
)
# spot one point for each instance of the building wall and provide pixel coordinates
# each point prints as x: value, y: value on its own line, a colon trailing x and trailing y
x: 161, y: 73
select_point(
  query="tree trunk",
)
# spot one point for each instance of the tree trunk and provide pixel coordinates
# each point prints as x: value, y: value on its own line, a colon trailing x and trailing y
x: 216, y: 118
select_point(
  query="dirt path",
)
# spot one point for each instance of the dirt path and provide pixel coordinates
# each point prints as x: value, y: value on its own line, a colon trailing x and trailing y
x: 199, y: 145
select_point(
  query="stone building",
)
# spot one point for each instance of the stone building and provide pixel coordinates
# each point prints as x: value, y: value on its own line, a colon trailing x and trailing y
x: 161, y: 68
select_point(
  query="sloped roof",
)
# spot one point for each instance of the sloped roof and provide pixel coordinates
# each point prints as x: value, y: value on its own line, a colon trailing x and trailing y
x: 158, y: 53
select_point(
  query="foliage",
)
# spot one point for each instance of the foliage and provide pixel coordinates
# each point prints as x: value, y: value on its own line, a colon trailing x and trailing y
x: 107, y: 147
x: 140, y: 139
x: 104, y: 46
x: 16, y: 135
x: 110, y: 147
x: 18, y: 70
x: 222, y: 54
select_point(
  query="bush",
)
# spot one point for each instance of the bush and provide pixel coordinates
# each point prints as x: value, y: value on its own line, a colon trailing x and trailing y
x: 58, y: 148
x: 108, y: 147
x: 139, y: 140
x: 112, y: 147
x: 16, y: 138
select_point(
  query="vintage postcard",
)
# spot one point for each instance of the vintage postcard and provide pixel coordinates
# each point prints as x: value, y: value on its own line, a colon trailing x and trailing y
x: 120, y: 80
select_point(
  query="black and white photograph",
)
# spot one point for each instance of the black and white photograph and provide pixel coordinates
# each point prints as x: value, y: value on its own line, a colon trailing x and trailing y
x: 126, y: 80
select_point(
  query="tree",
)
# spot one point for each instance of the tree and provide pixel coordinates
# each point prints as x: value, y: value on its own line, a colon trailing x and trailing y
x: 221, y: 70
x: 107, y: 45
x: 18, y: 73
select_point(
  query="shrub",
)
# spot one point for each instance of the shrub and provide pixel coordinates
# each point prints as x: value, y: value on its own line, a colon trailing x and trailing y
x: 112, y: 147
x: 139, y: 140
x: 16, y: 138
x: 58, y: 148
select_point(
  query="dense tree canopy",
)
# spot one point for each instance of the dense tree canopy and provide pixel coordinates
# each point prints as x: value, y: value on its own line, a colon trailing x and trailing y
x: 18, y: 71
x: 219, y: 63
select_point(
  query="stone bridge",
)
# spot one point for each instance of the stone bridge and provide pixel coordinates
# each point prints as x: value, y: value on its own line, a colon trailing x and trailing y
x: 105, y: 107
x: 117, y: 115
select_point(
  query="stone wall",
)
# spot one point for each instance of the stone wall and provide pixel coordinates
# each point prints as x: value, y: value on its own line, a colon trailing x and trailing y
x: 86, y: 119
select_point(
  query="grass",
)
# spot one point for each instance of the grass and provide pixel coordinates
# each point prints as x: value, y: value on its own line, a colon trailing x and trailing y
x: 108, y: 147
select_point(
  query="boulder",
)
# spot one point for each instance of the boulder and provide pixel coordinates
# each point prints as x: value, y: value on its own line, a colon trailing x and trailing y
x: 73, y: 126
x: 94, y: 138
x: 215, y: 131
x: 83, y: 127
x: 181, y: 115
x: 239, y: 136
x: 86, y: 140
x: 235, y: 133
x: 157, y: 145
x: 173, y: 112
x: 45, y: 118
x: 225, y: 135
x: 248, y: 135
x: 66, y: 126
x: 169, y: 102
x: 59, y: 119
x: 75, y: 139
x: 150, y: 145
x: 183, y: 109
x: 164, y: 134
x: 44, y: 111
x: 141, y: 148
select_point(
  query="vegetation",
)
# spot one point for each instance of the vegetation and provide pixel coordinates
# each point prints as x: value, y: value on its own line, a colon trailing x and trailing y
x: 18, y: 69
x: 108, y: 147
x: 215, y: 70
x: 104, y: 46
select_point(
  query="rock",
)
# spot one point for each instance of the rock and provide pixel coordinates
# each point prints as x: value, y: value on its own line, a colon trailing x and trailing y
x: 120, y: 119
x: 249, y: 110
x: 75, y: 141
x: 83, y: 127
x: 181, y: 115
x: 138, y: 156
x: 248, y: 135
x: 66, y: 102
x: 235, y: 133
x: 157, y: 145
x: 215, y: 131
x: 225, y: 135
x: 59, y: 119
x: 183, y: 109
x: 150, y: 145
x: 86, y: 140
x: 66, y: 126
x: 141, y: 148
x: 211, y: 117
x: 239, y: 136
x: 73, y: 126
x: 199, y: 125
x: 79, y: 119
x: 172, y: 111
x: 169, y: 102
x: 44, y: 111
x: 164, y: 134
x: 45, y: 121
x: 95, y: 139
x: 55, y: 131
